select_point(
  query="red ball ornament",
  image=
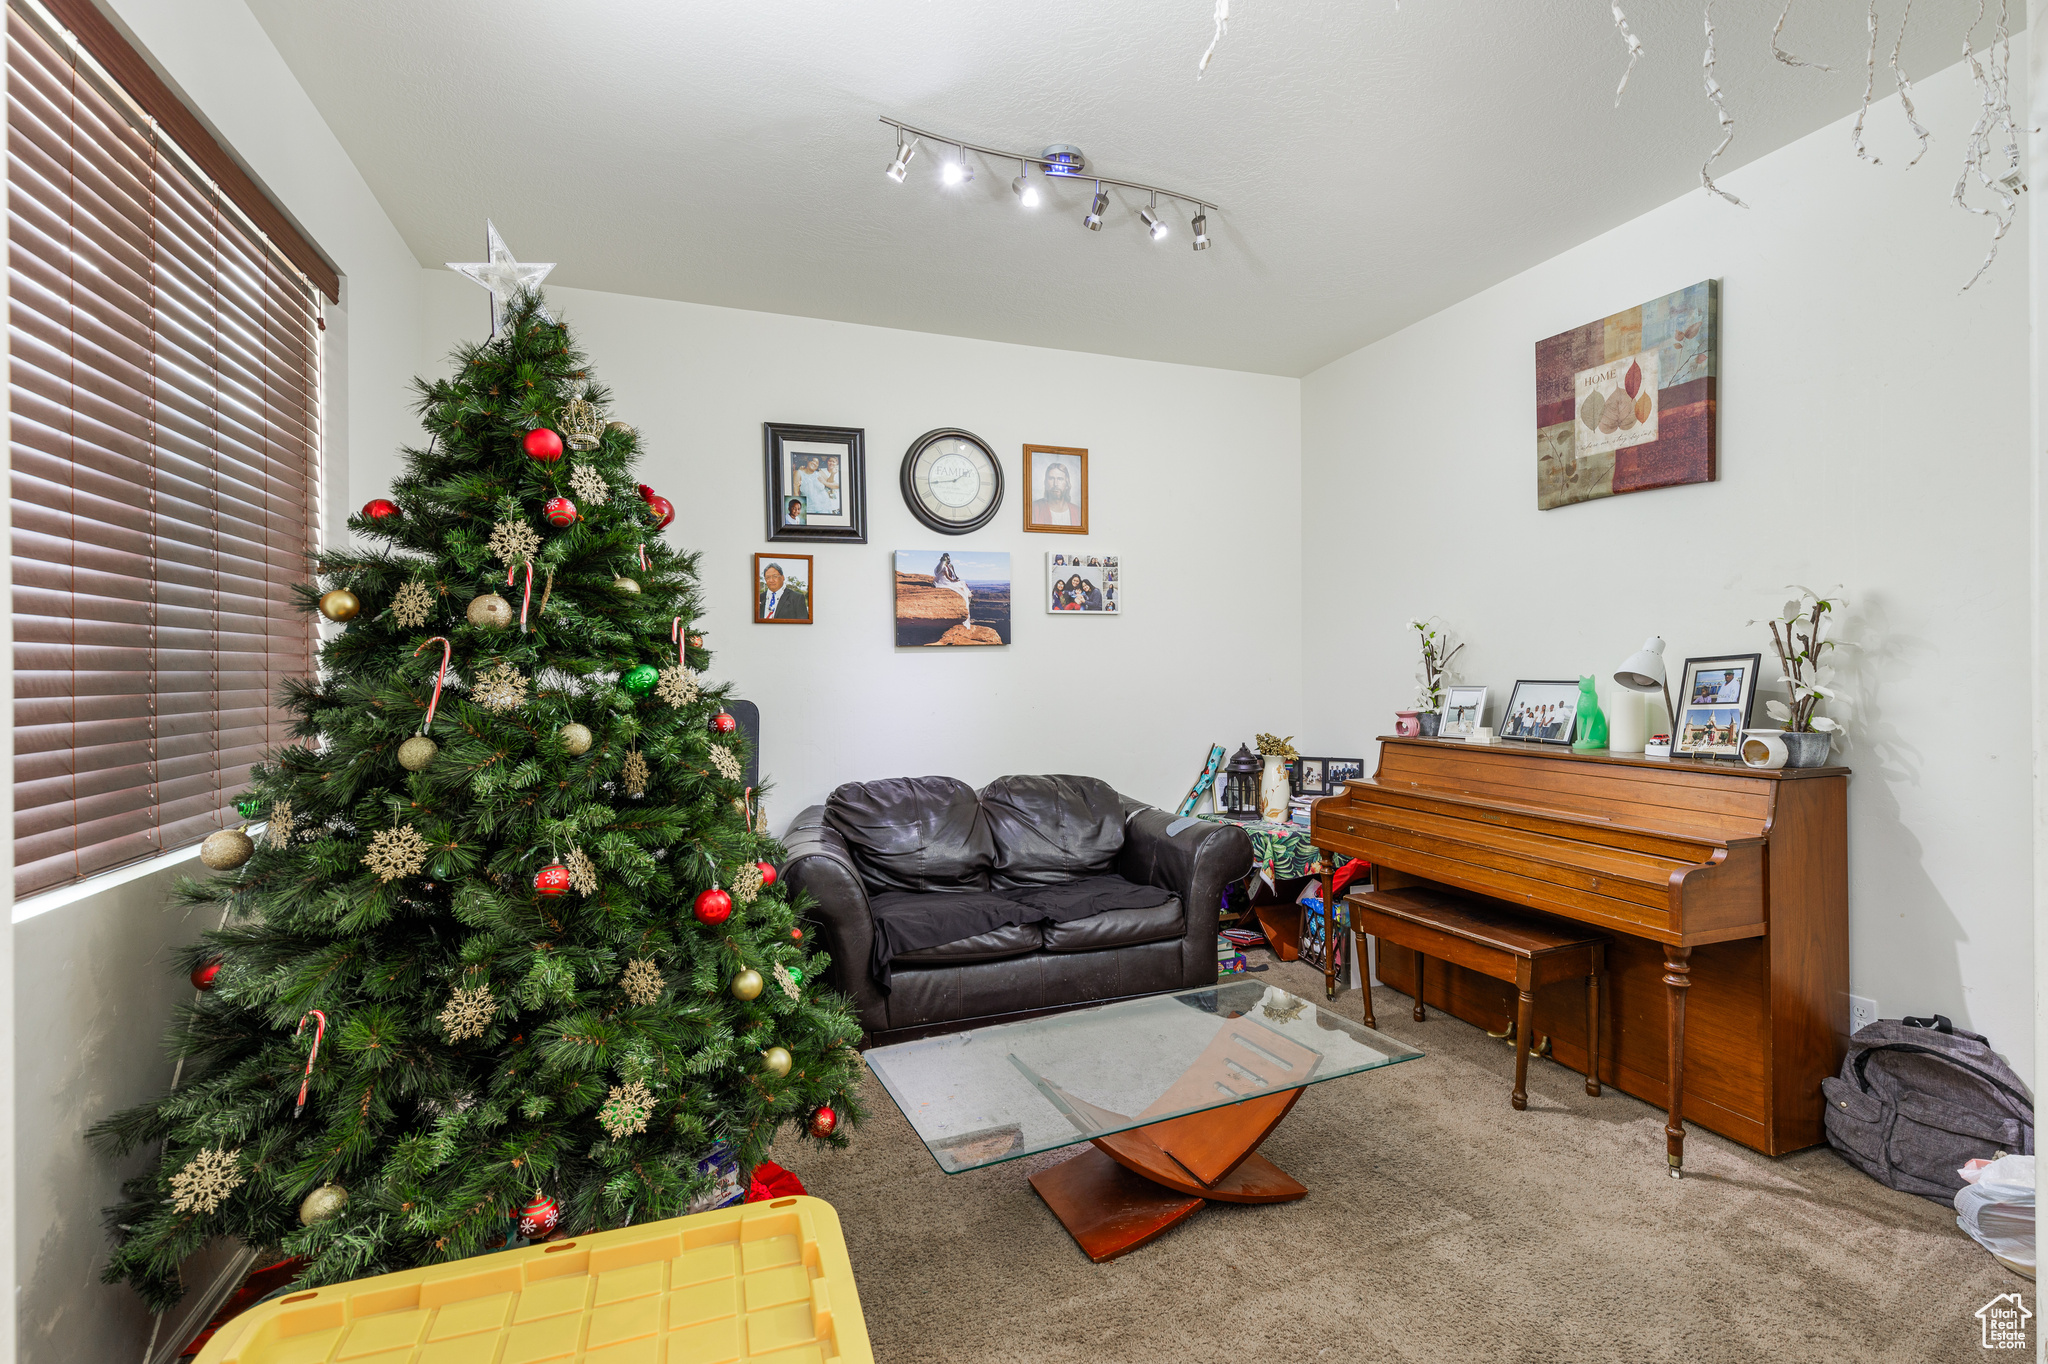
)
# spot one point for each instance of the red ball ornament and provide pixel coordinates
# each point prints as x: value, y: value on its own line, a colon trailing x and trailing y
x: 824, y: 1122
x: 559, y: 511
x: 539, y: 1217
x: 724, y: 723
x: 767, y: 870
x: 714, y: 906
x: 797, y: 934
x: 664, y: 509
x: 203, y: 974
x: 542, y: 444
x: 552, y: 880
x: 380, y: 509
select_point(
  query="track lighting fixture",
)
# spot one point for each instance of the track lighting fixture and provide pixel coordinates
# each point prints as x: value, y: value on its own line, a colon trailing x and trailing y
x: 901, y: 164
x: 1060, y: 161
x: 1150, y: 217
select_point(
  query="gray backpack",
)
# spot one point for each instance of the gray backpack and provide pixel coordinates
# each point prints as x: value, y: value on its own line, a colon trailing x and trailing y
x: 1917, y: 1098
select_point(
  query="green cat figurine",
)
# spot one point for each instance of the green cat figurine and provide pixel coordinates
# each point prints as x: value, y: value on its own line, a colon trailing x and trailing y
x: 1592, y: 723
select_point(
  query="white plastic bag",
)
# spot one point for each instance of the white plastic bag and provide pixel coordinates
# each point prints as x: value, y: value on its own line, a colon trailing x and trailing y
x: 1996, y: 1207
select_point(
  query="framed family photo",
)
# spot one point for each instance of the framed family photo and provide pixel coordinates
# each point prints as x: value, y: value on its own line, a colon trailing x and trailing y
x: 1541, y: 712
x: 1056, y: 489
x: 1337, y: 771
x: 1714, y: 705
x: 1090, y: 584
x: 1464, y: 711
x: 817, y: 482
x: 783, y: 591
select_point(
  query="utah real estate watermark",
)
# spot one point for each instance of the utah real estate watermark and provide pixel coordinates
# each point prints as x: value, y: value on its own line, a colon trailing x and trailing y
x: 2005, y: 1320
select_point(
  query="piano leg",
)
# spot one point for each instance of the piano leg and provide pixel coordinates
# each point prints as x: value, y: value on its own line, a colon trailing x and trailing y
x: 1362, y: 959
x: 1593, y: 1033
x: 1677, y: 979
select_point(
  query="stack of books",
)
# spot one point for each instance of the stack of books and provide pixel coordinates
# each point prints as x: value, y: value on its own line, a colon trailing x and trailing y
x: 1229, y: 960
x: 1298, y: 810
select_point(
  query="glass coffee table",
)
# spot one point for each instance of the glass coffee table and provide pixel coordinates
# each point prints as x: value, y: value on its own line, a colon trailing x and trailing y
x: 1174, y: 1092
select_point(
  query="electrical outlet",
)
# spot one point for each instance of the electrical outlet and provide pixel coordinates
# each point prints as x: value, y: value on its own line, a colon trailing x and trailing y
x: 1862, y: 1013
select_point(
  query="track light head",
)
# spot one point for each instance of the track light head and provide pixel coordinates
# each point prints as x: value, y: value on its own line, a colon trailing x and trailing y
x: 1155, y: 224
x: 904, y: 151
x: 1026, y: 192
x: 957, y: 172
x: 1200, y: 227
x: 1093, y: 222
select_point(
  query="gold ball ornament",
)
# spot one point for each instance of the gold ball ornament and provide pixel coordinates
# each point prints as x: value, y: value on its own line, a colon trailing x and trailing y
x: 576, y: 738
x: 323, y: 1203
x: 775, y: 1061
x: 415, y: 753
x: 340, y: 604
x: 490, y: 610
x: 625, y: 586
x: 226, y: 849
x: 747, y: 985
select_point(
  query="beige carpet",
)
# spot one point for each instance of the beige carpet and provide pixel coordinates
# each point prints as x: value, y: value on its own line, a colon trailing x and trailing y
x: 1439, y: 1225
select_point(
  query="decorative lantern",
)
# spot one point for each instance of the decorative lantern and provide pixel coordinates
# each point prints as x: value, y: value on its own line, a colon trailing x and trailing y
x: 1241, y: 784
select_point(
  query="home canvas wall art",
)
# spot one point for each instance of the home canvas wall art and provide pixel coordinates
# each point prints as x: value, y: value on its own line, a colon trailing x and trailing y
x: 1628, y: 402
x: 952, y: 597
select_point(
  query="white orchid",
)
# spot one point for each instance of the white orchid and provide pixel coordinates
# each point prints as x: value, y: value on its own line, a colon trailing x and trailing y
x: 1778, y: 710
x: 1825, y: 725
x: 1799, y: 635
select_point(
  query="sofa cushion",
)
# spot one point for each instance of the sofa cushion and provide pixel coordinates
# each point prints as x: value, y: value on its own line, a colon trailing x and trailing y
x: 1011, y: 940
x: 914, y: 833
x: 909, y: 921
x: 1118, y: 928
x: 1050, y: 829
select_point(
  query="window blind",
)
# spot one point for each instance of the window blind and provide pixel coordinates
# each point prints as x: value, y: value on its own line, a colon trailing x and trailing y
x: 165, y: 446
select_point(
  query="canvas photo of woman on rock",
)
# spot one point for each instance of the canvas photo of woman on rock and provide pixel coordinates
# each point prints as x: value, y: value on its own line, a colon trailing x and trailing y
x: 952, y: 597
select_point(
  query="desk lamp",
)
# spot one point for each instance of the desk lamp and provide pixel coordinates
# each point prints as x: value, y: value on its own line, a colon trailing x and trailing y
x: 1644, y: 671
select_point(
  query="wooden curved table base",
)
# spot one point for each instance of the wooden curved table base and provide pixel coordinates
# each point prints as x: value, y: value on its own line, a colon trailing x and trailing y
x: 1134, y: 1185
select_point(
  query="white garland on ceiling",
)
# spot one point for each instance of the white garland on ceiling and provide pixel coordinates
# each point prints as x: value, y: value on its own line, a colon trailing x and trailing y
x: 1995, y: 120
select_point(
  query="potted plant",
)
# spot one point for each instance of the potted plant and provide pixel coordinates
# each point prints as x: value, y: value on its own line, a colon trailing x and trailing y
x: 1799, y: 634
x: 1436, y: 671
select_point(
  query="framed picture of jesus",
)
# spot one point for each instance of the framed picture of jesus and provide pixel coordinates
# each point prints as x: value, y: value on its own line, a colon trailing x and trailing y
x: 1056, y: 489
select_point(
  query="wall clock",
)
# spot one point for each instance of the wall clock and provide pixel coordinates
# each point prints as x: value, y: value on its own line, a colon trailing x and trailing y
x: 951, y: 481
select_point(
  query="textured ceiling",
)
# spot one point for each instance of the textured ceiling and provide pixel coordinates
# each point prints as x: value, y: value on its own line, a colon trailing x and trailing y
x: 1373, y: 164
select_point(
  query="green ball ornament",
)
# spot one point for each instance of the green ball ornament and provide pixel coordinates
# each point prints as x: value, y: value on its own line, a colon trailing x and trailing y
x: 795, y: 974
x: 640, y: 681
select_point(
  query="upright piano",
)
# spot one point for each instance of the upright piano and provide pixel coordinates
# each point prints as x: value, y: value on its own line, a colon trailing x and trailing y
x: 1725, y: 890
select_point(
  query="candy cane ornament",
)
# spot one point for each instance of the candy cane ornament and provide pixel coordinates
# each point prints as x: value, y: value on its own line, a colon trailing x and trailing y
x: 319, y: 1031
x: 527, y: 599
x: 645, y: 567
x: 416, y: 753
x: 675, y: 633
x: 447, y: 650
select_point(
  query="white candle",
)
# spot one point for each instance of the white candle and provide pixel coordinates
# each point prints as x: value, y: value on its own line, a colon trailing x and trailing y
x: 1628, y: 722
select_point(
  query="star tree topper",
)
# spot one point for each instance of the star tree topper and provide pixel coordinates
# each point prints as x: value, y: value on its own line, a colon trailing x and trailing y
x: 501, y: 274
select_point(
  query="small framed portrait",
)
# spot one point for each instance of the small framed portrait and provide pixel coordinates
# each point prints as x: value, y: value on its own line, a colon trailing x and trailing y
x: 1084, y: 584
x: 1337, y: 771
x: 1464, y: 711
x: 817, y: 480
x: 1056, y: 489
x: 783, y: 591
x: 1541, y: 712
x: 1311, y: 777
x: 1714, y: 705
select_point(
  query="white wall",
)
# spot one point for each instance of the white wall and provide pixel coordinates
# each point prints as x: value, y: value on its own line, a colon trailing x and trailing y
x: 1873, y: 432
x: 92, y: 991
x: 1193, y: 483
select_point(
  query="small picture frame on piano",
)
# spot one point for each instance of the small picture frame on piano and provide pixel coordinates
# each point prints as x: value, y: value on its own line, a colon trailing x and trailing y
x: 1337, y: 771
x: 1714, y: 705
x: 1541, y: 712
x: 1464, y: 711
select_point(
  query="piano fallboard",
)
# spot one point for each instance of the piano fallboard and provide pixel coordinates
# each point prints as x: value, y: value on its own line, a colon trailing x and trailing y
x: 1742, y: 873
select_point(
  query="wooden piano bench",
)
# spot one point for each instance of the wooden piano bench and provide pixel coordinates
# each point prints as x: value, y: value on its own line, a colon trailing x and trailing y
x: 1492, y: 940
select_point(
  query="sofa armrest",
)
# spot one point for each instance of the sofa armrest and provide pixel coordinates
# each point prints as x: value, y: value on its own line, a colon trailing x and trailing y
x: 1195, y: 863
x: 821, y: 865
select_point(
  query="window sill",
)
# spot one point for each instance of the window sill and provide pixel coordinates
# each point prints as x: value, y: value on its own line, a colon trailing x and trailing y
x: 45, y: 901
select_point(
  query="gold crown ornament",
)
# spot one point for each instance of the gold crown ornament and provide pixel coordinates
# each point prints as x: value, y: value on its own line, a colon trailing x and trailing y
x: 581, y: 426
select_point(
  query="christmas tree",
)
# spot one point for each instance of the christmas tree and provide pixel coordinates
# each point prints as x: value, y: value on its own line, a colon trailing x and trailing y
x: 509, y: 950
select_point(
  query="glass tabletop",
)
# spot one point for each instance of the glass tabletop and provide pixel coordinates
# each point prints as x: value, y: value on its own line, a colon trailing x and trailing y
x: 1014, y: 1089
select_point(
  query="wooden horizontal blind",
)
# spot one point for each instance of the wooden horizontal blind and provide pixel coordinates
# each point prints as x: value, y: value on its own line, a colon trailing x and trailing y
x: 165, y: 447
